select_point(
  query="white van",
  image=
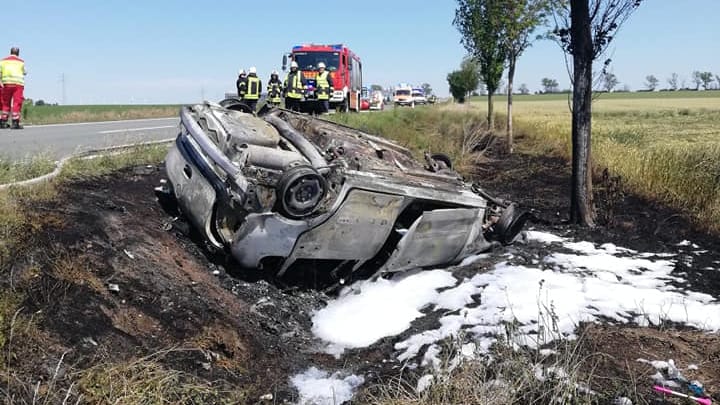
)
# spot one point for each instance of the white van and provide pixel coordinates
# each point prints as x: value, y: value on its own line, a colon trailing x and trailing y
x: 403, y: 96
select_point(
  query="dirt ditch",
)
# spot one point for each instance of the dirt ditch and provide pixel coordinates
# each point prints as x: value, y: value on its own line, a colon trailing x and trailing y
x: 111, y: 277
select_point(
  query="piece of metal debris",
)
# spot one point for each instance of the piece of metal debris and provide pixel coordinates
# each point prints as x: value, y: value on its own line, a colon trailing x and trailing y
x: 130, y: 255
x: 113, y: 287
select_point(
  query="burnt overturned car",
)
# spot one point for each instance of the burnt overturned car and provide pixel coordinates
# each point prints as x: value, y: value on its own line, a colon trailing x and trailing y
x: 279, y: 189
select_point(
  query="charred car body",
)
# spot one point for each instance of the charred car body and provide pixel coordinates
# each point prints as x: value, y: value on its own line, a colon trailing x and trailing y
x: 282, y: 188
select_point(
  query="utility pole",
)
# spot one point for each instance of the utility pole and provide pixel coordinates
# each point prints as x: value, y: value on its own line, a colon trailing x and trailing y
x: 62, y: 81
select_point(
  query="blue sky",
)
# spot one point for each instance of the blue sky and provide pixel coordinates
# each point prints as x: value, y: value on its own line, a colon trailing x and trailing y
x: 165, y: 51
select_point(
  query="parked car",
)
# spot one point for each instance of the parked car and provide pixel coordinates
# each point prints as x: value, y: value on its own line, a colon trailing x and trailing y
x: 364, y: 104
x: 377, y: 100
x: 432, y: 99
x: 418, y: 96
x: 281, y: 189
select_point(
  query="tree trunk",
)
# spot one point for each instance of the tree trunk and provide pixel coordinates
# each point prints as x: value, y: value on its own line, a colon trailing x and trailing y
x: 581, y: 202
x: 509, y: 147
x: 490, y: 119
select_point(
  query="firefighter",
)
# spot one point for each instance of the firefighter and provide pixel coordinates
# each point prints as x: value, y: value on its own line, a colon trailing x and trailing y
x: 294, y: 87
x: 254, y: 87
x: 274, y: 89
x: 324, y: 87
x: 12, y: 77
x: 241, y: 84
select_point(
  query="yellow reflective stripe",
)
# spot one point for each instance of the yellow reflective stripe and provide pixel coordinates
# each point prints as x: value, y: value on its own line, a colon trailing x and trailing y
x: 295, y: 88
x: 253, y: 88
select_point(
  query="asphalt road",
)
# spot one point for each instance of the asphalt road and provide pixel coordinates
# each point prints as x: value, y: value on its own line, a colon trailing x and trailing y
x: 60, y: 140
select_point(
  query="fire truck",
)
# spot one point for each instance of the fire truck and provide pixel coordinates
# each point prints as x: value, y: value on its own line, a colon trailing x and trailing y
x: 345, y: 71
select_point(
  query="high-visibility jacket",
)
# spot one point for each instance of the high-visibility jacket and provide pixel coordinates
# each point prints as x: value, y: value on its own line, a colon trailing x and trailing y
x: 12, y: 70
x: 254, y: 86
x: 274, y: 90
x: 324, y: 85
x: 294, y: 85
x: 241, y: 85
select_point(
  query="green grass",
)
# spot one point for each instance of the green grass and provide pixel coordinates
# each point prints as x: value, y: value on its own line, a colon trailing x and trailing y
x: 664, y: 145
x: 18, y: 170
x: 54, y: 114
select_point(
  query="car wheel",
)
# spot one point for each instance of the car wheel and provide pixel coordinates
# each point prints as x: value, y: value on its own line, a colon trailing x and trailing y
x: 299, y: 191
x: 441, y: 157
x: 511, y: 222
x: 236, y: 105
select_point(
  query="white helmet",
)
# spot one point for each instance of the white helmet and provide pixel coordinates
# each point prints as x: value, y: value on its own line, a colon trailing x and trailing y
x: 274, y: 72
x: 321, y: 65
x: 241, y: 72
x: 293, y: 64
x: 252, y: 70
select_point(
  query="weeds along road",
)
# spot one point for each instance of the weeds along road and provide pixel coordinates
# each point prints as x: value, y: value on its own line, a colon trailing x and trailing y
x: 56, y: 141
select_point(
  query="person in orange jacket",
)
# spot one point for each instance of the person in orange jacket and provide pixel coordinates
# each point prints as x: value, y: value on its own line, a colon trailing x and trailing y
x: 12, y: 77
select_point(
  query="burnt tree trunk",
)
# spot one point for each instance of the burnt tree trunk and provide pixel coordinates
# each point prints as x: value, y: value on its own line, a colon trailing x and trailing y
x: 581, y: 203
x: 509, y: 135
x: 491, y: 121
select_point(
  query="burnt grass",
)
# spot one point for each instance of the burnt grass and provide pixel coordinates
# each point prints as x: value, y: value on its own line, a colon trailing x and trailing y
x: 110, y: 276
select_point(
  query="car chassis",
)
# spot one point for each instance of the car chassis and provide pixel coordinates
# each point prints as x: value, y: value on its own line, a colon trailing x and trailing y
x: 280, y: 188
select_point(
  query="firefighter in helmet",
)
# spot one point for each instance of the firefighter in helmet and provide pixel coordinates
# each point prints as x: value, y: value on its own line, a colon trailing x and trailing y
x: 274, y: 89
x: 324, y: 87
x: 254, y: 87
x: 241, y: 84
x: 294, y: 87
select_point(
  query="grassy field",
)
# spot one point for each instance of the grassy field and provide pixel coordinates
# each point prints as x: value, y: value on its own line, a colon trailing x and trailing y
x: 665, y: 146
x: 56, y: 114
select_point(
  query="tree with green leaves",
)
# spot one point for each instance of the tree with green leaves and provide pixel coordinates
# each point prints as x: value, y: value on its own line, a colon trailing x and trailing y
x: 585, y: 28
x: 520, y: 19
x: 524, y: 89
x: 609, y: 81
x: 376, y: 87
x: 673, y: 81
x: 427, y: 89
x: 651, y: 82
x: 697, y: 79
x: 481, y: 26
x: 706, y: 78
x: 464, y: 81
x: 549, y: 85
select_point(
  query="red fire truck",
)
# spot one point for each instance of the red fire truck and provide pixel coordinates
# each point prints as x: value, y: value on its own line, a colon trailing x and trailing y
x: 345, y: 72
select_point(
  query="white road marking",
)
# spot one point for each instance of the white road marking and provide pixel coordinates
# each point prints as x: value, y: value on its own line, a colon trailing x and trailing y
x: 100, y: 122
x: 114, y: 131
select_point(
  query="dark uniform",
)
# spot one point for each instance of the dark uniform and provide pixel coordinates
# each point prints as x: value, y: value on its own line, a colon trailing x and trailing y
x: 241, y: 85
x: 294, y: 87
x: 274, y: 90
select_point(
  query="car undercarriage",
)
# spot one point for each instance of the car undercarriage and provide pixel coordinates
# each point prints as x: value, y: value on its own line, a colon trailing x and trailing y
x: 279, y: 189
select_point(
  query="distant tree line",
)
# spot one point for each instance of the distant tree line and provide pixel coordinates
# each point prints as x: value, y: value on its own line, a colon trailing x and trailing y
x: 608, y: 82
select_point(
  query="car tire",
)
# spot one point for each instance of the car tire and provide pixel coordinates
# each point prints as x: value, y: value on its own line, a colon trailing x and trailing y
x: 511, y: 222
x: 299, y: 191
x: 441, y: 157
x: 236, y: 104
